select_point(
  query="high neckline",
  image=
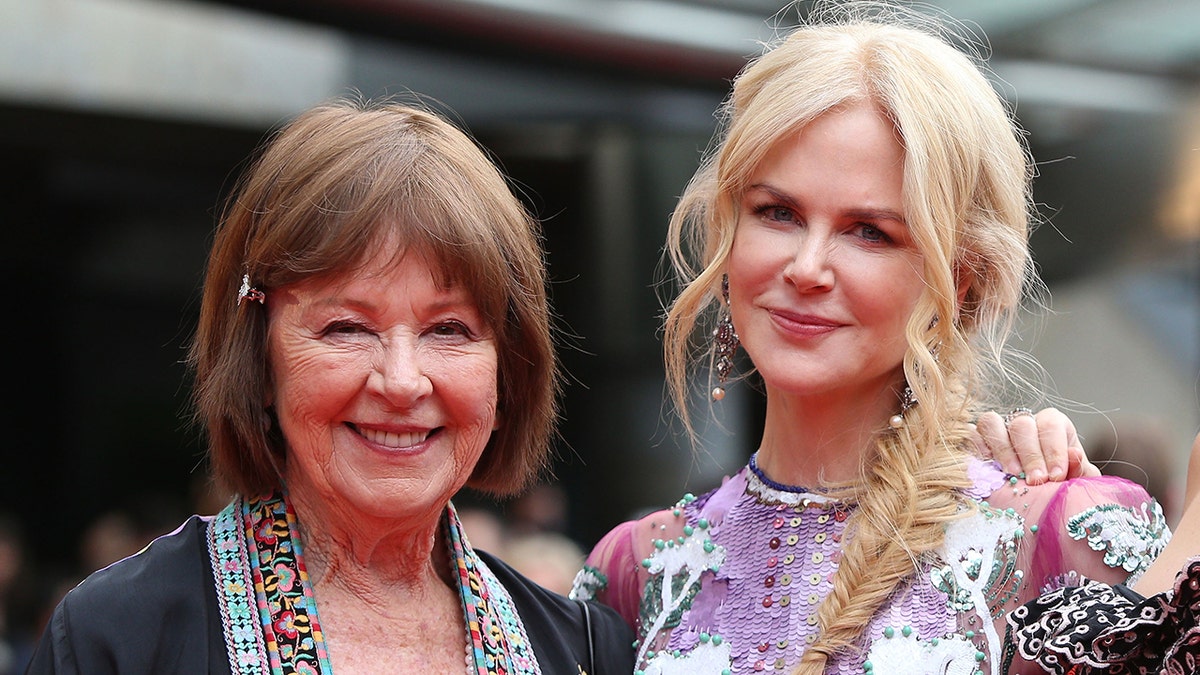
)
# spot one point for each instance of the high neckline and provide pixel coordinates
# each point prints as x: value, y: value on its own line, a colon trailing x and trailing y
x: 776, y: 485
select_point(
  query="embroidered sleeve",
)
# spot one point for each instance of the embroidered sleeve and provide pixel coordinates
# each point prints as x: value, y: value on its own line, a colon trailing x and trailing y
x: 1104, y: 528
x: 589, y: 583
x: 612, y: 573
x: 1111, y: 628
x: 1130, y: 537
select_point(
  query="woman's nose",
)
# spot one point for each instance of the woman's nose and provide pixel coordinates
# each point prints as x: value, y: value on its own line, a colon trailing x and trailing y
x: 810, y: 268
x: 398, y: 375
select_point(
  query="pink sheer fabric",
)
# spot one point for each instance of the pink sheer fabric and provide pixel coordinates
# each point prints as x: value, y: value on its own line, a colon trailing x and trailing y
x: 730, y: 581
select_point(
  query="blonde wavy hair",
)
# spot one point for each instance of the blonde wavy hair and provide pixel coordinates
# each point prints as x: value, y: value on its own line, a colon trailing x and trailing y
x: 967, y: 199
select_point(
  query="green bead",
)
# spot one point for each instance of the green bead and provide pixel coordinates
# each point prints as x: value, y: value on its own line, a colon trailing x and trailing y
x: 709, y: 546
x: 907, y: 631
x: 705, y: 637
x: 688, y: 530
x: 1033, y: 529
x: 889, y: 632
x: 717, y: 640
x: 703, y: 523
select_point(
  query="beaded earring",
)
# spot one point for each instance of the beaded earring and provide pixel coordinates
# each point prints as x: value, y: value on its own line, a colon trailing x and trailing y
x: 907, y: 401
x: 725, y: 343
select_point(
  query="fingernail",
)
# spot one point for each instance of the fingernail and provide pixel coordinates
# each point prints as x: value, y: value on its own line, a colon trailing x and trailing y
x: 1036, y: 477
x: 1056, y: 474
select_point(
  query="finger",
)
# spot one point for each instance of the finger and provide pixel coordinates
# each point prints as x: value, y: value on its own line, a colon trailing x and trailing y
x: 995, y: 444
x: 1023, y: 435
x: 1055, y: 431
x: 1078, y: 464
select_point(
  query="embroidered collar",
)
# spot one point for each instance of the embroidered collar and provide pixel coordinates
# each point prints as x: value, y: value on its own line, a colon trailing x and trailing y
x: 769, y: 491
x: 269, y: 615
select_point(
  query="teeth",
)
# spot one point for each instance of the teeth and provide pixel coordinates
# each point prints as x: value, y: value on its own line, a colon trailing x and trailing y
x: 391, y: 439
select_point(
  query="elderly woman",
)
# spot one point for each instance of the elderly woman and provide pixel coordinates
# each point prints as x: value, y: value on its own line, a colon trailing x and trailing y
x: 373, y: 336
x: 861, y: 229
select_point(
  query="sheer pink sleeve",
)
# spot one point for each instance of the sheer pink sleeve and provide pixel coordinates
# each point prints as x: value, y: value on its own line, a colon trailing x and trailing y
x: 613, y: 572
x: 1103, y: 528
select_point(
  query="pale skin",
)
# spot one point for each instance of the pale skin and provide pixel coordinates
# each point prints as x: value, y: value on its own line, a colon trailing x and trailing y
x: 822, y: 267
x: 1185, y: 541
x: 377, y: 387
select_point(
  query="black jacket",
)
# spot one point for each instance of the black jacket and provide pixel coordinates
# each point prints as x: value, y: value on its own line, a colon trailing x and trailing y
x: 157, y: 613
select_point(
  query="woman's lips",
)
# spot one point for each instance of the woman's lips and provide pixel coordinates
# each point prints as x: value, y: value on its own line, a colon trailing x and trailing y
x: 804, y: 324
x: 393, y: 439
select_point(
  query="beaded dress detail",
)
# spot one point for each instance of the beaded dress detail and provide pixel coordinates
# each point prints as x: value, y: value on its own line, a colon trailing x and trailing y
x: 730, y: 582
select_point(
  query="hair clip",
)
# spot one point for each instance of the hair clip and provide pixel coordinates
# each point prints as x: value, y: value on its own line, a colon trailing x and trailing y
x: 247, y: 292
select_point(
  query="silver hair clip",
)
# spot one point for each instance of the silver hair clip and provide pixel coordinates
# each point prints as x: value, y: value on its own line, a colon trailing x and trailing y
x: 247, y: 292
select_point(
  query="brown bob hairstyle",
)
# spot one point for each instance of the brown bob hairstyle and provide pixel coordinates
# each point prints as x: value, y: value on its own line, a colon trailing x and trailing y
x: 320, y: 198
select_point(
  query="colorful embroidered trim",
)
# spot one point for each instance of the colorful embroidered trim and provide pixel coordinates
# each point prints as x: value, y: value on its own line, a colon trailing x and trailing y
x: 269, y: 615
x: 499, y: 643
x: 231, y: 571
x: 284, y: 635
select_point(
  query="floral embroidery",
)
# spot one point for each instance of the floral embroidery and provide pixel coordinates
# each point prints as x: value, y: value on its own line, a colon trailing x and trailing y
x: 258, y: 564
x: 1130, y: 538
x: 1095, y: 625
x: 903, y: 653
x: 589, y: 581
x: 712, y: 655
x: 682, y: 561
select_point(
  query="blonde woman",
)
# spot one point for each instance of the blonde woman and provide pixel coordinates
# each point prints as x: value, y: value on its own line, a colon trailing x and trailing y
x: 861, y: 230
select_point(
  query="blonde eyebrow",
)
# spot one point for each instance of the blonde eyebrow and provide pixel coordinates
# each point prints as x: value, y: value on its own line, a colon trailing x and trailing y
x: 857, y: 214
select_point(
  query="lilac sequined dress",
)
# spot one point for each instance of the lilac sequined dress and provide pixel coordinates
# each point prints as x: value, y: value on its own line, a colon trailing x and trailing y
x: 730, y: 582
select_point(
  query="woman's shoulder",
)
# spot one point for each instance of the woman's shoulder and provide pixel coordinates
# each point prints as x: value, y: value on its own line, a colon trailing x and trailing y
x: 159, y: 570
x: 1080, y: 503
x: 165, y: 589
x: 1101, y: 527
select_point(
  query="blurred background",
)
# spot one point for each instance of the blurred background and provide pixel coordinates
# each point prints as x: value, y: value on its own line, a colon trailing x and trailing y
x: 123, y: 122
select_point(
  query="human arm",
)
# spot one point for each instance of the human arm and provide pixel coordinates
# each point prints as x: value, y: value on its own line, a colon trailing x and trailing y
x: 1185, y: 543
x: 1043, y: 445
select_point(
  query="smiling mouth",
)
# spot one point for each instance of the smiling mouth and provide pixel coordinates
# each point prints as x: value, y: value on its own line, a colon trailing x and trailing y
x: 392, y: 439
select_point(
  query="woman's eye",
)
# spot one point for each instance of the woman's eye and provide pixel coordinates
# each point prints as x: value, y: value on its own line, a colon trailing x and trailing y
x: 872, y: 233
x: 451, y: 328
x: 777, y: 213
x: 344, y: 328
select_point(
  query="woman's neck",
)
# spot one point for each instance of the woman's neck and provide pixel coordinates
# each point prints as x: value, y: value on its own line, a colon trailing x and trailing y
x: 821, y: 440
x: 371, y: 556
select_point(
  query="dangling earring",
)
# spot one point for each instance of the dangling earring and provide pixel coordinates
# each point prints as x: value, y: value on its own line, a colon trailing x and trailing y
x: 725, y: 341
x: 907, y: 401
